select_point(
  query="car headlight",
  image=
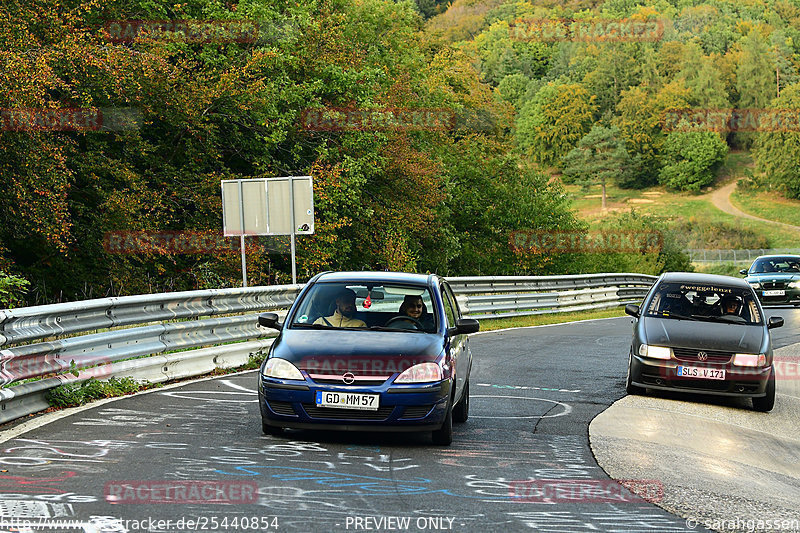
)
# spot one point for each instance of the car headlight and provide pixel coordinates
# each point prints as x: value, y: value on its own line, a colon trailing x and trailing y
x: 749, y: 359
x: 795, y: 285
x: 421, y: 373
x: 655, y: 352
x: 281, y: 369
x: 754, y: 284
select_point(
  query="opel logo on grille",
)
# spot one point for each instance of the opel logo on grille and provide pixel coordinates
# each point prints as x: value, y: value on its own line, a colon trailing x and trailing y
x: 702, y: 356
x: 348, y: 378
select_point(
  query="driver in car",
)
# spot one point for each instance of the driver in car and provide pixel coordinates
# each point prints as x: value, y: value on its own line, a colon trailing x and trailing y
x: 731, y: 305
x: 342, y: 317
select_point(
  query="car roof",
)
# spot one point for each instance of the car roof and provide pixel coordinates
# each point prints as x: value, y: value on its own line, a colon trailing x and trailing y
x: 375, y: 277
x: 773, y: 256
x: 711, y: 279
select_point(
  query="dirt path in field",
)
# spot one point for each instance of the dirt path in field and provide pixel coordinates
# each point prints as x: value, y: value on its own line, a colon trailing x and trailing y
x: 721, y: 198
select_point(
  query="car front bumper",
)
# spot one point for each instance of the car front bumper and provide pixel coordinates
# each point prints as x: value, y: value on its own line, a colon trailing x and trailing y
x: 663, y: 375
x: 420, y: 407
x: 790, y: 296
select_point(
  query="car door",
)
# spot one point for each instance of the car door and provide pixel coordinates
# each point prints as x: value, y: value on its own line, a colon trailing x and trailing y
x: 458, y: 344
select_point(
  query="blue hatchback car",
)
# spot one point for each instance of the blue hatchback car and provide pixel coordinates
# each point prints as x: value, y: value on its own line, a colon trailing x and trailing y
x: 369, y: 351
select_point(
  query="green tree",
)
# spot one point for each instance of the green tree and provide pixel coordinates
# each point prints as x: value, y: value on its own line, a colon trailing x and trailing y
x: 690, y: 158
x: 553, y: 122
x: 640, y: 113
x: 598, y: 158
x: 777, y: 152
x: 755, y: 78
x: 703, y: 79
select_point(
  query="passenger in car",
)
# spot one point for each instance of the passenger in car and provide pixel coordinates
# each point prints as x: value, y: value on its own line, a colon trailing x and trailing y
x: 342, y: 317
x: 414, y: 307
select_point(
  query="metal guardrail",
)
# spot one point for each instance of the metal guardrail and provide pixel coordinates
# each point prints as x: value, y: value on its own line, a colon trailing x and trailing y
x: 699, y: 255
x: 509, y: 296
x: 168, y: 322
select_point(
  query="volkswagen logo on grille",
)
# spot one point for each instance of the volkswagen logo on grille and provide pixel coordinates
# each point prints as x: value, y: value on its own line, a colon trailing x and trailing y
x: 348, y: 378
x: 702, y: 356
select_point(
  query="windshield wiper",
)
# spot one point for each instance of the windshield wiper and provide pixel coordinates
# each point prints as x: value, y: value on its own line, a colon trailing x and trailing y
x: 310, y: 325
x: 678, y: 316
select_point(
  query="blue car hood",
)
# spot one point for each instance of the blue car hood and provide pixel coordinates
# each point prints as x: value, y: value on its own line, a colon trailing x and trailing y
x: 703, y: 335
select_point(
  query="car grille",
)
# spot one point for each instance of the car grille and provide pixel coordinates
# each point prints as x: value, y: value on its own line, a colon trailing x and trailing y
x: 417, y: 411
x: 281, y: 408
x: 690, y: 355
x: 700, y: 384
x: 347, y: 414
x: 357, y: 383
x: 773, y: 285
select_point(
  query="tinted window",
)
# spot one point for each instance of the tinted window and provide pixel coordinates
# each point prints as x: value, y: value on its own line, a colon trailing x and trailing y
x: 704, y: 302
x: 374, y: 306
x: 449, y: 307
x: 776, y: 264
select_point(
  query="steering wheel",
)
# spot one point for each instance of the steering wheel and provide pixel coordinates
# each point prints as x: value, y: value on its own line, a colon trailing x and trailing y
x: 416, y: 323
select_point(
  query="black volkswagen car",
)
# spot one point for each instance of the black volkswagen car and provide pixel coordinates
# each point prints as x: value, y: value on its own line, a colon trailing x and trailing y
x: 369, y: 351
x: 702, y: 333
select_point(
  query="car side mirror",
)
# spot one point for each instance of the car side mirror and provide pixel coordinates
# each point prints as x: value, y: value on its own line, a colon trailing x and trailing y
x: 743, y: 272
x: 632, y: 309
x: 775, y: 322
x: 464, y: 326
x: 269, y: 320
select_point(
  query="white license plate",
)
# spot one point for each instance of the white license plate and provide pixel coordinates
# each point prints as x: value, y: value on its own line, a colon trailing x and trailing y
x: 700, y: 372
x: 348, y: 400
x: 778, y: 292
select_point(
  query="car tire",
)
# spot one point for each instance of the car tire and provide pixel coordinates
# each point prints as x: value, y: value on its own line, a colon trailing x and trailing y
x: 766, y: 403
x: 270, y: 430
x: 461, y: 411
x: 444, y: 435
x: 630, y: 388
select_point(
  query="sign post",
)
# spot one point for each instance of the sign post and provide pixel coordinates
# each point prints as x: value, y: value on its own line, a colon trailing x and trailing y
x: 268, y: 206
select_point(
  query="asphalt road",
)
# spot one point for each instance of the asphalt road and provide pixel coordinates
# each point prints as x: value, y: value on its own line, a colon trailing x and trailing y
x: 534, y: 393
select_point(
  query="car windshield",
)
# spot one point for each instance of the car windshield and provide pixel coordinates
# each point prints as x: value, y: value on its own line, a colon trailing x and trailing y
x: 690, y: 301
x: 370, y: 306
x: 776, y: 264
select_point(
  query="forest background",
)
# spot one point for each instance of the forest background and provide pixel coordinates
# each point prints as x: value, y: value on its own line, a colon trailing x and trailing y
x: 529, y: 116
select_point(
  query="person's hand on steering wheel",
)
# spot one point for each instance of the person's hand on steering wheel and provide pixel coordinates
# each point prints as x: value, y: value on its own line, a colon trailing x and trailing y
x: 413, y: 321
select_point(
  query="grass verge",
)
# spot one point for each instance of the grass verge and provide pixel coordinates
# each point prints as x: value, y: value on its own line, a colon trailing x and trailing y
x: 491, y: 324
x: 83, y: 392
x: 769, y: 205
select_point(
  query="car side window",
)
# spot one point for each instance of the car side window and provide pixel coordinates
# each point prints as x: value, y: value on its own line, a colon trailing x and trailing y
x: 449, y: 306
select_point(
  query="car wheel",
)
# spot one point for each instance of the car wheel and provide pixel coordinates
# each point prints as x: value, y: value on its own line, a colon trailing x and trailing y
x: 630, y: 388
x: 444, y: 435
x: 766, y: 403
x: 461, y: 411
x: 270, y: 430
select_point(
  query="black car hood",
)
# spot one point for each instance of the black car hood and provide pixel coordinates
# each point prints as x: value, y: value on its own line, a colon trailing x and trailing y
x: 360, y: 352
x: 777, y: 276
x: 703, y: 335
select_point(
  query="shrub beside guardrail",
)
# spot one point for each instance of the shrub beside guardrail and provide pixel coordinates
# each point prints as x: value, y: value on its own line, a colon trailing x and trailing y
x: 143, y: 334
